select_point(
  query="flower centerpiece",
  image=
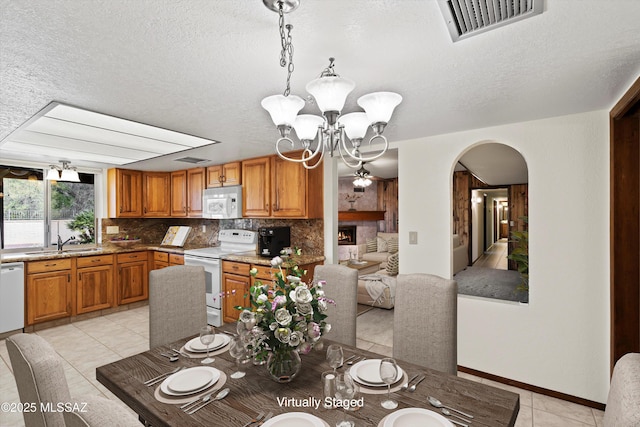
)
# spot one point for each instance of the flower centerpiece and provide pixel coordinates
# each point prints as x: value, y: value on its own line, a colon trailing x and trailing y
x: 286, y: 317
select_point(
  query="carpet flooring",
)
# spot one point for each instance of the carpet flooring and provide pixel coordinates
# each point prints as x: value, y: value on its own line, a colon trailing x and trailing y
x: 491, y: 283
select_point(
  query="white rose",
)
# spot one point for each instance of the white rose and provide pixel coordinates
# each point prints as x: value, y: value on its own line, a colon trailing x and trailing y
x: 247, y: 316
x: 327, y: 328
x: 322, y: 306
x: 276, y: 261
x: 319, y: 293
x: 295, y: 339
x: 304, y: 309
x: 283, y: 317
x: 303, y: 295
x: 262, y: 298
x: 283, y: 335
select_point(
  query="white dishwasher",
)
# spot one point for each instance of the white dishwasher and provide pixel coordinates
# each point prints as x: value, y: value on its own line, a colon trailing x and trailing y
x: 11, y: 296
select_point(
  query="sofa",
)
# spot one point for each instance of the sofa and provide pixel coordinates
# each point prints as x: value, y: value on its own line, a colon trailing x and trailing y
x: 460, y: 255
x: 378, y: 249
x: 383, y: 249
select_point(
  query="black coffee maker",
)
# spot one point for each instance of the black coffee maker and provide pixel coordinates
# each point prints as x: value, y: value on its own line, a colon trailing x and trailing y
x: 271, y: 240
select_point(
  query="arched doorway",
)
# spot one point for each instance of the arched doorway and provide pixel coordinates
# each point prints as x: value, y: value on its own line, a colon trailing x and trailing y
x: 490, y: 204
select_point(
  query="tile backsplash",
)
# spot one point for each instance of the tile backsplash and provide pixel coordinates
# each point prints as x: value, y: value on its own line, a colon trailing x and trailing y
x: 305, y: 234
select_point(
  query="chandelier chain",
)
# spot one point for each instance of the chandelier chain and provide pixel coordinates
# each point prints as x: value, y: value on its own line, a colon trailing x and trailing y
x: 286, y: 54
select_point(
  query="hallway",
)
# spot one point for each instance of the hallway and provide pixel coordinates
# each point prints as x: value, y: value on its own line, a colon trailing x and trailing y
x: 495, y: 256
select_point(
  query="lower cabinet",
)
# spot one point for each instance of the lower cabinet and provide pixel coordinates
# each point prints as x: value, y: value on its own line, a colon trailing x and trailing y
x: 165, y: 259
x: 94, y: 290
x: 49, y: 296
x: 133, y: 277
x: 235, y: 289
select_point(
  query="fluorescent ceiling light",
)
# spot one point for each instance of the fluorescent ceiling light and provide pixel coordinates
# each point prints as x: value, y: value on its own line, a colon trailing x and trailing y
x: 79, y: 135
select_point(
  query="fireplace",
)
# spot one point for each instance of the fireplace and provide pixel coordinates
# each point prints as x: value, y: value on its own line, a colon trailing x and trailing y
x: 347, y: 235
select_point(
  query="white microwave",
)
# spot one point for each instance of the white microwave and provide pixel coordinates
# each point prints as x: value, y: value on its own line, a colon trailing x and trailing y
x: 222, y: 202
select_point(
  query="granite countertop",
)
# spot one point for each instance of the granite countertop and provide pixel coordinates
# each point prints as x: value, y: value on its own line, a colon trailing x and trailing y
x: 252, y: 258
x: 107, y: 249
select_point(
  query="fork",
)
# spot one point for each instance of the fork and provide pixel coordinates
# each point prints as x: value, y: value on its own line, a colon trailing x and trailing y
x: 181, y: 353
x: 405, y: 386
x: 203, y: 399
x: 159, y: 377
x: 351, y: 362
x: 255, y: 420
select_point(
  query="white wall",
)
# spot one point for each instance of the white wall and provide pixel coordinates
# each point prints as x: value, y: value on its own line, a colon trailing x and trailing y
x: 560, y: 341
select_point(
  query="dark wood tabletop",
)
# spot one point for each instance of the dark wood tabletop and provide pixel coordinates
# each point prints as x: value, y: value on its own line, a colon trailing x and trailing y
x: 256, y: 392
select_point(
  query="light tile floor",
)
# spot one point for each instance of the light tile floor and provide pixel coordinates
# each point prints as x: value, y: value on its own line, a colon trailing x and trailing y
x: 495, y: 256
x: 88, y: 344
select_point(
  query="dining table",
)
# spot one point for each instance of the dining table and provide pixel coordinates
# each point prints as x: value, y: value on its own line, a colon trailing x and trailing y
x: 257, y: 392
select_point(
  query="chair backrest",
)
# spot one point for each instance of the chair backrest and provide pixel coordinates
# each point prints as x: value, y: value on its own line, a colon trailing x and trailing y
x: 342, y: 287
x: 99, y: 412
x: 177, y: 303
x: 623, y: 403
x: 425, y: 321
x: 40, y: 378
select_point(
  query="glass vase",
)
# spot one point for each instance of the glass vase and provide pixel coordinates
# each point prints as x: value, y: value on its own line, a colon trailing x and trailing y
x: 283, y: 366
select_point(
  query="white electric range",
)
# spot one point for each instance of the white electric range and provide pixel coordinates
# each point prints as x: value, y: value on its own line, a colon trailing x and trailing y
x: 231, y: 241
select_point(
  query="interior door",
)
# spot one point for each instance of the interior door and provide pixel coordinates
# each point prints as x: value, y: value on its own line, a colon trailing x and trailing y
x: 625, y: 224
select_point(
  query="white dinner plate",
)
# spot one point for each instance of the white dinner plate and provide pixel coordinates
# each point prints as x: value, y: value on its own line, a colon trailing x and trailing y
x: 191, y: 380
x: 411, y: 417
x: 196, y: 346
x: 294, y: 419
x: 367, y: 372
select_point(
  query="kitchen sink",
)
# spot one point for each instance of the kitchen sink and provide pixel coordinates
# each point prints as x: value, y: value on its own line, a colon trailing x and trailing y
x: 81, y: 251
x: 78, y: 251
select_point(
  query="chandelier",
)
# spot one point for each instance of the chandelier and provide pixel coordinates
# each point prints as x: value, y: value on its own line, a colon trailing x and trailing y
x: 333, y: 132
x: 62, y: 173
x: 362, y: 178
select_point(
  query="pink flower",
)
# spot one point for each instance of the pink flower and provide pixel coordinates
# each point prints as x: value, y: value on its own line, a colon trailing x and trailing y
x: 305, y: 348
x: 313, y: 330
x: 278, y: 300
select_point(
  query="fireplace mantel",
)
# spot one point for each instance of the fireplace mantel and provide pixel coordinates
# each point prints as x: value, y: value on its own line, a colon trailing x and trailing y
x: 361, y: 215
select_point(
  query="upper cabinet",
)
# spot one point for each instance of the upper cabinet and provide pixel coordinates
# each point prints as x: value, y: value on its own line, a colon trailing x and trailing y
x: 224, y: 175
x: 186, y: 192
x: 276, y: 188
x: 125, y: 193
x: 156, y: 194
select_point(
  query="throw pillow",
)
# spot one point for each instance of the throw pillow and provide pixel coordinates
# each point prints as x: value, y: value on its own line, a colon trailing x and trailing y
x: 372, y: 245
x: 393, y: 265
x: 382, y: 245
x: 392, y: 245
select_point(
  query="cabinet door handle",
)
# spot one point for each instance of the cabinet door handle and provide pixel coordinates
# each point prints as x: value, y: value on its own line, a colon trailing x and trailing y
x: 51, y: 265
x: 145, y: 209
x: 68, y: 277
x: 120, y: 209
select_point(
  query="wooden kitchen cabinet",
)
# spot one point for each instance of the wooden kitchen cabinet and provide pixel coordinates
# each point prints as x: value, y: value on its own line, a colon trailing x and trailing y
x: 156, y: 194
x: 235, y: 285
x: 256, y: 188
x: 277, y: 188
x: 124, y: 189
x: 165, y: 259
x: 224, y: 175
x: 186, y: 192
x: 94, y: 286
x: 132, y: 277
x: 49, y: 290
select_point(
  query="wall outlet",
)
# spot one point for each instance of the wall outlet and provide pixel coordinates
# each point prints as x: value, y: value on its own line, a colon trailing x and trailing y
x: 113, y: 229
x: 204, y: 228
x: 413, y: 237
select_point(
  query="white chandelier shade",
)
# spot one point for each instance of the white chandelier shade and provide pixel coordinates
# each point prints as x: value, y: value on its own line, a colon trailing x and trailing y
x: 379, y: 105
x: 330, y: 92
x: 283, y: 109
x: 306, y: 126
x: 355, y: 125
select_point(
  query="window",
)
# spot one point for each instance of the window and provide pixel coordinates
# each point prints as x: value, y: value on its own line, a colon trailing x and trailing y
x: 36, y: 211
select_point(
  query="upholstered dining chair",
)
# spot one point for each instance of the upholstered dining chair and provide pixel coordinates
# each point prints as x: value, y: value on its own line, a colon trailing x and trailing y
x: 40, y: 379
x: 623, y: 402
x: 425, y: 321
x: 342, y: 287
x: 177, y: 303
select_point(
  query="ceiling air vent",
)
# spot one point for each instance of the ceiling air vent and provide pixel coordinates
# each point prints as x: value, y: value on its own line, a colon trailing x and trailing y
x: 193, y: 160
x: 466, y: 18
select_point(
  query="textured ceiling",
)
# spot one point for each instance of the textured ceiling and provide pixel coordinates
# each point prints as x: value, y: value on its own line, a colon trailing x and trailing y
x: 201, y: 67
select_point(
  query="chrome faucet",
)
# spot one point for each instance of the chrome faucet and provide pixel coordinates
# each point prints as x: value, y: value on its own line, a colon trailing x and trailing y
x: 61, y: 243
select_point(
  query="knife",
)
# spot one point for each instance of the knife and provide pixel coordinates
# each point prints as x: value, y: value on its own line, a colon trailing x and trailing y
x: 404, y: 387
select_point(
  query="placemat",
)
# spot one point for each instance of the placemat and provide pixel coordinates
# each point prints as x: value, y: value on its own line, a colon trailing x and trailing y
x: 179, y: 400
x: 383, y: 390
x: 198, y: 355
